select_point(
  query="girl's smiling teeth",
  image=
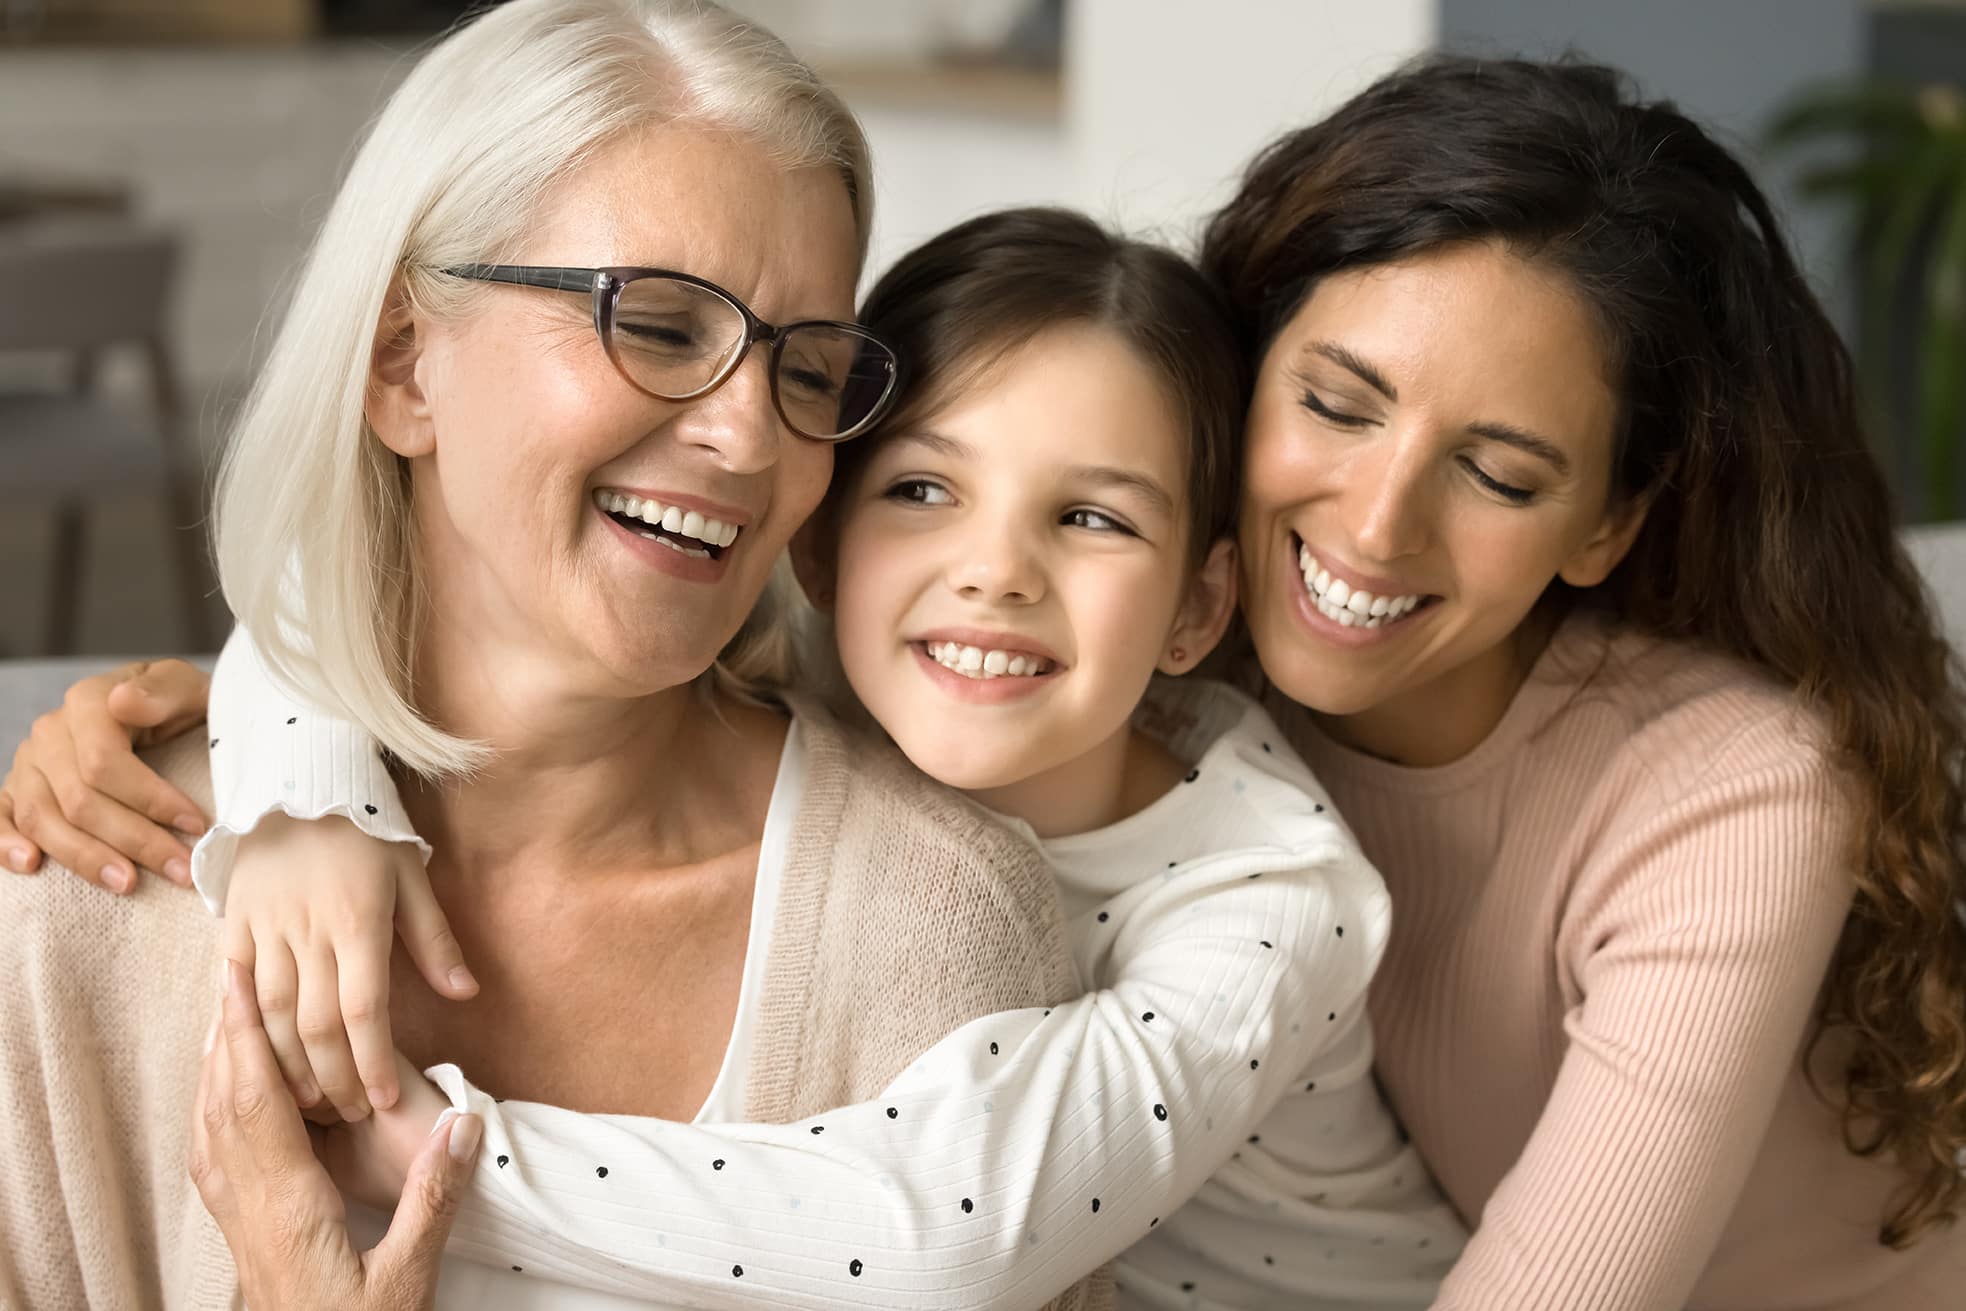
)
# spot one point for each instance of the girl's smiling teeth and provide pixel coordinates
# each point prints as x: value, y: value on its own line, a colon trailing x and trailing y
x: 1339, y: 602
x: 687, y: 532
x: 981, y: 663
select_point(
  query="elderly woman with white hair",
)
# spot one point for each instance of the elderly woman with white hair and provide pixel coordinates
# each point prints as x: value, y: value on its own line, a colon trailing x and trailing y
x: 410, y: 522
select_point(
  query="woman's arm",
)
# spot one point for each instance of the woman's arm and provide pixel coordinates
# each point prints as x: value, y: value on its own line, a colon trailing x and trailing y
x: 1021, y: 1152
x: 1699, y: 969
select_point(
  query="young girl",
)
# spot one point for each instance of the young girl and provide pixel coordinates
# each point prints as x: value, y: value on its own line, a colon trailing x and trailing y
x: 1038, y: 528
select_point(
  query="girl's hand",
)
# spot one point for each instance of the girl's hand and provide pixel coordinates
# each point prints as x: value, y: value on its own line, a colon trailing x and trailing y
x: 77, y: 791
x: 281, y: 1216
x: 371, y: 1161
x: 309, y: 913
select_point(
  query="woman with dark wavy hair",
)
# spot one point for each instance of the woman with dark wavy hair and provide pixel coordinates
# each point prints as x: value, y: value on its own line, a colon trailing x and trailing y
x: 1561, y: 534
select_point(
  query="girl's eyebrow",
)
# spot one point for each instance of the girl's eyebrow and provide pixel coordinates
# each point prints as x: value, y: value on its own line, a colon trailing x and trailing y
x: 1098, y: 475
x: 1105, y: 475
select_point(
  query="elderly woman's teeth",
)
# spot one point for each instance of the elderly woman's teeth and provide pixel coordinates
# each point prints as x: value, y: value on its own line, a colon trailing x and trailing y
x: 671, y: 519
x: 1336, y: 600
x: 975, y: 662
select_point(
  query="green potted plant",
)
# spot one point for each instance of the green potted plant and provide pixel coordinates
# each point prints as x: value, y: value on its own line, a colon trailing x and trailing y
x: 1905, y: 186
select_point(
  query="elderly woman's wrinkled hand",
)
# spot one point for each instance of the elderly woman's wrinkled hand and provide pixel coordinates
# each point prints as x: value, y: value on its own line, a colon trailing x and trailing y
x: 282, y: 1216
x: 78, y: 792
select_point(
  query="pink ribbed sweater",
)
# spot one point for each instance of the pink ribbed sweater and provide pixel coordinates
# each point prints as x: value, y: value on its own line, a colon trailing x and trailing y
x: 1611, y: 922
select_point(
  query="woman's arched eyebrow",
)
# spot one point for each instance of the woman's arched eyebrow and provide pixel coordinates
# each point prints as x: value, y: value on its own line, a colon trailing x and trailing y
x: 1525, y: 441
x: 1346, y: 359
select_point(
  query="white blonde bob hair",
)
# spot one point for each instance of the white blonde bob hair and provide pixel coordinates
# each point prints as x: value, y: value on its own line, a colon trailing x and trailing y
x: 312, y: 522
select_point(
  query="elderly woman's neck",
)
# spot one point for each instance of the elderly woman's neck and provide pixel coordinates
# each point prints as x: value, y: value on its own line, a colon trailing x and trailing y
x: 669, y: 779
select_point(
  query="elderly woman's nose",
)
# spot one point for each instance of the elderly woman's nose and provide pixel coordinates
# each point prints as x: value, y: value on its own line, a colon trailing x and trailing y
x: 1387, y: 501
x: 738, y: 423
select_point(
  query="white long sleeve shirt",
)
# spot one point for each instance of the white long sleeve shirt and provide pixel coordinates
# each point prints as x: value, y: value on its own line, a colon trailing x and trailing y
x: 1206, y: 1113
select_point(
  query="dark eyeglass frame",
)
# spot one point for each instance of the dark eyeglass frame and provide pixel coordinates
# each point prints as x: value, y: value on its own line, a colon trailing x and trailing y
x: 606, y: 286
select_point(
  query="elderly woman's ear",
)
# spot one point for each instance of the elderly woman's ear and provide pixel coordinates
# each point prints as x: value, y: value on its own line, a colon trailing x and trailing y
x: 397, y: 408
x: 814, y: 550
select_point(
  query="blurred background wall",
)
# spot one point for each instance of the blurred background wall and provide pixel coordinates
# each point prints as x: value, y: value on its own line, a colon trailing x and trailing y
x: 227, y: 123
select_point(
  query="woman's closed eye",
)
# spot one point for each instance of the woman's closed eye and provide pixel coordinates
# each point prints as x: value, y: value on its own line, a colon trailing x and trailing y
x: 1507, y: 491
x: 1316, y: 405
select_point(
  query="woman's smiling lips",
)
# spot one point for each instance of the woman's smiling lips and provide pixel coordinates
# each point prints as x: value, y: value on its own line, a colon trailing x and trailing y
x: 983, y: 666
x: 1345, y: 608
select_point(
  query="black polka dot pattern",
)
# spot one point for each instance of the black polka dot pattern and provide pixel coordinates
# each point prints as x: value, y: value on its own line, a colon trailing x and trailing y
x: 854, y: 1267
x: 214, y: 745
x: 1095, y: 1206
x: 1160, y: 1112
x: 503, y: 1161
x: 818, y: 1129
x: 737, y: 1272
x: 600, y: 1172
x: 993, y: 1049
x: 1103, y: 917
x: 893, y: 1113
x: 1252, y: 1062
x: 1341, y: 930
x: 294, y: 720
x: 1267, y: 943
x: 1193, y: 774
x: 717, y: 1164
x: 1146, y: 1017
x: 968, y: 1206
x: 366, y: 806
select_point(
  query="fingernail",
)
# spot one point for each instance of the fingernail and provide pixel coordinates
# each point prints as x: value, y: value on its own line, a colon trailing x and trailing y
x: 211, y: 1036
x: 18, y: 859
x: 116, y: 879
x: 464, y: 1138
x: 449, y: 1113
x: 359, y: 1111
x: 381, y: 1098
x: 461, y: 980
x: 306, y: 1095
x: 177, y: 871
x: 188, y: 824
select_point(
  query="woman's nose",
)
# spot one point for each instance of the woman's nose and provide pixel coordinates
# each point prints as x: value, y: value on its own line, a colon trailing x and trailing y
x: 1388, y: 502
x: 738, y: 424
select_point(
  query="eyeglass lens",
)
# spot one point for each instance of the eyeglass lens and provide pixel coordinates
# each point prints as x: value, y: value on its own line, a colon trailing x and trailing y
x: 675, y: 338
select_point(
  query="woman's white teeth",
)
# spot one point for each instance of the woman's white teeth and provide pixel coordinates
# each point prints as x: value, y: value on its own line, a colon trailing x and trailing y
x: 1337, y: 601
x: 976, y: 662
x: 669, y: 518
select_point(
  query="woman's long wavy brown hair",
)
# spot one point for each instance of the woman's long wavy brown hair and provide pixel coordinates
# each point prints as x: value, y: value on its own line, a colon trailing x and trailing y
x: 1770, y: 535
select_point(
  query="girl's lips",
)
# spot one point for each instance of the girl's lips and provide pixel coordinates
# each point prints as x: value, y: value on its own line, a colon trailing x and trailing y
x: 978, y: 691
x: 665, y: 559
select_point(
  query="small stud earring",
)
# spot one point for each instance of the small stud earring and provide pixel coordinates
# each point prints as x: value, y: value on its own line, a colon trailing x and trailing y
x: 1177, y: 655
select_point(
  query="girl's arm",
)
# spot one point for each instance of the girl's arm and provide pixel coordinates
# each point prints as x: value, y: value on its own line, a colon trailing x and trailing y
x: 1021, y: 1152
x: 314, y: 866
x: 272, y: 754
x: 1699, y: 970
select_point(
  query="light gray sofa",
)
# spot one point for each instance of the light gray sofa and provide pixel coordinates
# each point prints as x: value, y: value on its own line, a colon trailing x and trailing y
x: 28, y: 687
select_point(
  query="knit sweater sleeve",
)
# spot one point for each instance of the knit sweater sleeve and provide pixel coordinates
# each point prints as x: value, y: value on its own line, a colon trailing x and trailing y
x: 273, y: 752
x: 1694, y: 949
x: 1014, y: 1156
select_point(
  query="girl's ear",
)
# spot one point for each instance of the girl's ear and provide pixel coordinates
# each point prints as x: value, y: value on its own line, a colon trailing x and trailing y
x: 814, y: 559
x: 397, y: 407
x: 1205, y: 612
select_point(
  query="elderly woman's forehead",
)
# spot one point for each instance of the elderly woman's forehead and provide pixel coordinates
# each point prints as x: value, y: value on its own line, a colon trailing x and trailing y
x: 706, y: 202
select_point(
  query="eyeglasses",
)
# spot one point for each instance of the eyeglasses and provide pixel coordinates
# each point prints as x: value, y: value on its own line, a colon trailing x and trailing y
x: 678, y: 337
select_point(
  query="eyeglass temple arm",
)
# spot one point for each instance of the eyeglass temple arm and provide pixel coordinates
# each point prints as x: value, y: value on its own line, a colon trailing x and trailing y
x: 525, y: 275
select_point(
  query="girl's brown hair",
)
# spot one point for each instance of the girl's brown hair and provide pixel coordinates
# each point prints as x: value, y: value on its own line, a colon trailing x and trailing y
x: 1770, y: 535
x: 960, y: 303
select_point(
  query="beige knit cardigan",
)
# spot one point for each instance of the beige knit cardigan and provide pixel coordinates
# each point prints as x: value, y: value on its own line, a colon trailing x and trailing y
x: 893, y: 888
